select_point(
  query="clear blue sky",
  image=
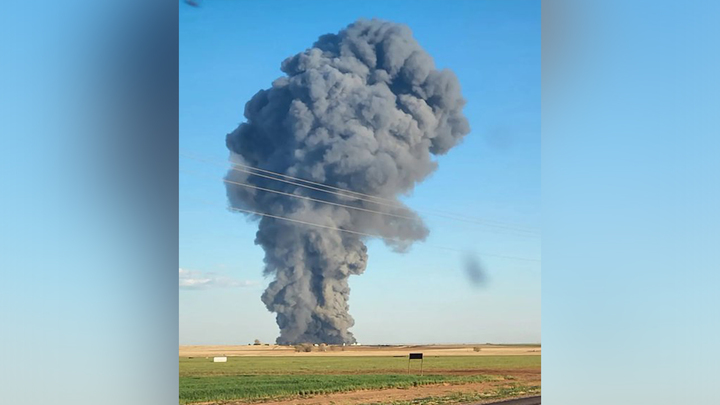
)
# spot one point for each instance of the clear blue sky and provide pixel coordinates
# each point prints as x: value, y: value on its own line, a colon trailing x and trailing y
x: 231, y: 49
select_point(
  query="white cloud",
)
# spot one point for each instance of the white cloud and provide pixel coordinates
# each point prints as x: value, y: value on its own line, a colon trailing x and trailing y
x: 199, y: 280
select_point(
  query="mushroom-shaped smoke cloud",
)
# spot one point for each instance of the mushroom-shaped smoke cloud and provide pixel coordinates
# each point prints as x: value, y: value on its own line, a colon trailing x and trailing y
x: 362, y: 110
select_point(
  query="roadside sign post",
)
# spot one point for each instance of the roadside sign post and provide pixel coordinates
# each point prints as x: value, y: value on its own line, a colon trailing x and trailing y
x: 416, y: 356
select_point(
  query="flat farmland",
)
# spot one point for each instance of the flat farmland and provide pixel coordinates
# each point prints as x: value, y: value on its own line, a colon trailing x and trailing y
x: 357, y: 375
x: 429, y: 350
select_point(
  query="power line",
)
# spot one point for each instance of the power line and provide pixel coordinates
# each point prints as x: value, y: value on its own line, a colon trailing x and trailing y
x: 458, y: 217
x: 331, y: 203
x: 252, y: 172
x: 389, y: 201
x: 362, y: 233
x: 302, y: 222
x: 309, y: 198
x: 313, y: 182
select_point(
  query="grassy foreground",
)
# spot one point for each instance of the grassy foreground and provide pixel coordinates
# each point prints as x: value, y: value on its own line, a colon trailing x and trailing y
x: 198, y: 389
x: 262, y: 378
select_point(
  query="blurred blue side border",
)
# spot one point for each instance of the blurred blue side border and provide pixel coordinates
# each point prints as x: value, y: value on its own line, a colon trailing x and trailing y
x: 88, y: 298
x: 631, y: 190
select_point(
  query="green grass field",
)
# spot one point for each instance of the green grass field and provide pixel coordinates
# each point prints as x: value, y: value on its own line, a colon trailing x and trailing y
x: 348, y: 364
x: 261, y: 378
x: 258, y: 387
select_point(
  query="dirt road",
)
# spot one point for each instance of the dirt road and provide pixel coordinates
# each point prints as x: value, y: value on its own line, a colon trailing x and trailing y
x: 520, y: 401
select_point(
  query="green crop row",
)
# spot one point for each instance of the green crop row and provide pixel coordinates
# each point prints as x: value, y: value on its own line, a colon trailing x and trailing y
x: 261, y: 387
x: 351, y: 365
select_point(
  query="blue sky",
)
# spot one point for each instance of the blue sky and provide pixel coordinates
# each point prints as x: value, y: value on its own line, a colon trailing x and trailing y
x: 231, y: 49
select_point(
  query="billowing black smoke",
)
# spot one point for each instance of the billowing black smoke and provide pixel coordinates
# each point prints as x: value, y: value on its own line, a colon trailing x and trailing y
x: 363, y: 110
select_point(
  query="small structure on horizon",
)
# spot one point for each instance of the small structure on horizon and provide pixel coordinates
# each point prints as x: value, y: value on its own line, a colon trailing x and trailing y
x: 220, y: 359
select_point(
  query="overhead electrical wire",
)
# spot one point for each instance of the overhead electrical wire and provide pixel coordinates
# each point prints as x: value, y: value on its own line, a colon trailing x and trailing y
x: 309, y: 198
x: 247, y: 185
x: 252, y: 170
x: 363, y: 233
x: 363, y: 197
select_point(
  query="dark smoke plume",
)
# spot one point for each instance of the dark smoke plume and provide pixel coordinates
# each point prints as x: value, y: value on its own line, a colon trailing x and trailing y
x: 363, y: 110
